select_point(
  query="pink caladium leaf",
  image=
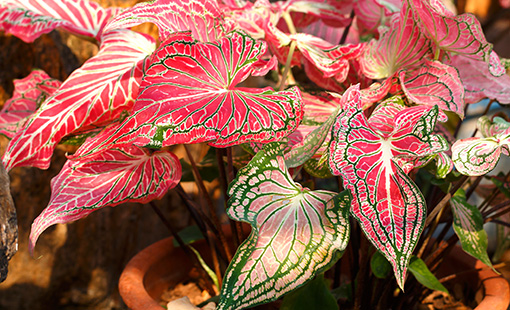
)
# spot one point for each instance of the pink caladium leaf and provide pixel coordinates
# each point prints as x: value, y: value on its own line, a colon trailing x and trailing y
x: 188, y: 95
x: 203, y: 18
x: 116, y: 176
x: 318, y: 107
x: 304, y: 12
x: 28, y: 95
x: 370, y: 14
x: 383, y: 116
x: 330, y: 59
x: 96, y: 93
x: 401, y: 46
x: 28, y: 19
x: 296, y: 232
x: 388, y: 205
x: 478, y: 82
x: 478, y: 156
x: 460, y: 34
x: 435, y: 83
x: 304, y: 149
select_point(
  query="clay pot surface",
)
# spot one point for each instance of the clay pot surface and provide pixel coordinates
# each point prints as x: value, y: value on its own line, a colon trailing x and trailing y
x: 496, y: 289
x: 162, y: 265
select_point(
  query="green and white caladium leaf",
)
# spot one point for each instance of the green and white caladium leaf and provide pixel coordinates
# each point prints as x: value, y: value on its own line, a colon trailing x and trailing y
x: 388, y: 205
x: 477, y: 156
x: 302, y: 151
x: 422, y: 273
x: 297, y: 233
x: 468, y: 225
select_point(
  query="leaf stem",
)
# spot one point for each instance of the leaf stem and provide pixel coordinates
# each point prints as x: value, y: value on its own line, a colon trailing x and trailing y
x: 224, y: 186
x: 504, y: 205
x: 499, y: 222
x: 430, y: 232
x: 292, y: 29
x: 230, y: 177
x: 359, y: 300
x: 212, y: 209
x: 453, y: 276
x: 346, y: 30
x: 287, y: 65
x: 184, y: 247
x: 487, y: 108
x: 444, y: 201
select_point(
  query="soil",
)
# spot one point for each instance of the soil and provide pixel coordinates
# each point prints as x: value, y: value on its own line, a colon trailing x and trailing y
x: 441, y: 301
x: 191, y: 289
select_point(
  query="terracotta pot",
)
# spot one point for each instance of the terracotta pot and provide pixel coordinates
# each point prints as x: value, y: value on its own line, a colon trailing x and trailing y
x: 156, y: 268
x: 494, y: 287
x: 161, y: 265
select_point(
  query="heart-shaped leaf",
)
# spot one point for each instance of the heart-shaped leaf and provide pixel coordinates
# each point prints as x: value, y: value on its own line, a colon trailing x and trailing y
x: 318, y: 107
x: 96, y: 93
x: 189, y: 96
x: 296, y: 232
x: 477, y: 156
x: 203, y: 18
x: 479, y: 83
x: 113, y: 177
x: 386, y: 202
x: 370, y: 14
x: 28, y: 19
x: 435, y: 83
x: 460, y: 34
x: 401, y: 46
x: 28, y: 95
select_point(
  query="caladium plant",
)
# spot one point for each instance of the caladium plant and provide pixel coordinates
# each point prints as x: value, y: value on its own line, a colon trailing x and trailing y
x: 351, y: 137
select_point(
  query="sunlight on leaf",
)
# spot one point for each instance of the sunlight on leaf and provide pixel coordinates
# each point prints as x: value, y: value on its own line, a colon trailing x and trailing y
x: 297, y: 233
x: 119, y: 175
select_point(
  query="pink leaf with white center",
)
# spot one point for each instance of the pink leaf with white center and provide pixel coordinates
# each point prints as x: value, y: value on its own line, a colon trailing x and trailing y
x: 28, y: 19
x: 435, y: 83
x: 382, y: 118
x: 202, y: 17
x: 319, y: 107
x: 332, y: 12
x: 479, y: 83
x: 96, y: 93
x: 116, y: 176
x: 478, y: 156
x: 370, y: 14
x: 401, y: 46
x: 377, y: 91
x: 460, y: 34
x: 188, y: 95
x: 296, y: 232
x: 388, y: 205
x: 28, y: 95
x: 252, y: 21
